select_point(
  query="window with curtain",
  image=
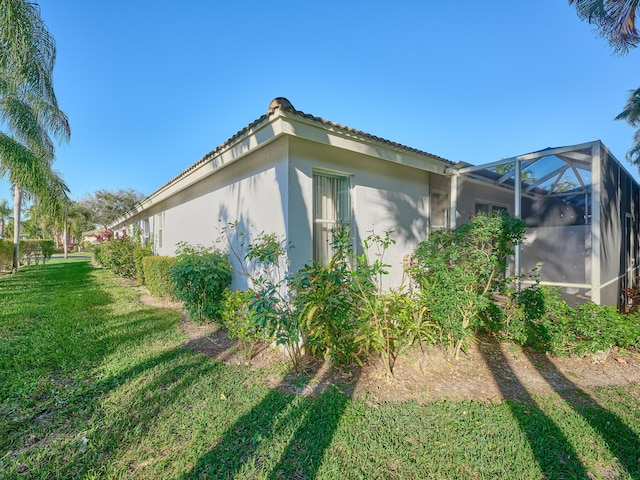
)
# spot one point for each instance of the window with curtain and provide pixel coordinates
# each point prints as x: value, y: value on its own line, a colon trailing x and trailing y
x: 330, y: 212
x: 439, y: 210
x: 159, y: 222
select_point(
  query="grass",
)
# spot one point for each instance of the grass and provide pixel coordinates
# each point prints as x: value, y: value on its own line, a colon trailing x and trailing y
x: 96, y: 385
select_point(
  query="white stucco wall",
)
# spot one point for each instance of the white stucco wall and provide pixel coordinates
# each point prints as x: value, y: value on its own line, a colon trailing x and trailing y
x: 264, y: 181
x: 384, y: 196
x: 251, y: 191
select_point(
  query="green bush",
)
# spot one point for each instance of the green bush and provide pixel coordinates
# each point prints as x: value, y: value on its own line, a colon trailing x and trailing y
x: 327, y: 304
x: 237, y: 317
x: 36, y: 250
x: 266, y: 268
x: 591, y: 328
x: 6, y: 254
x: 47, y: 248
x: 117, y: 255
x: 346, y: 314
x: 538, y: 318
x: 459, y: 270
x: 200, y: 276
x: 97, y: 250
x: 139, y: 253
x: 535, y: 317
x: 157, y: 277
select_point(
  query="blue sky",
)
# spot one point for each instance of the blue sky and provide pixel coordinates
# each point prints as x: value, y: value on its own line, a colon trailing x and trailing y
x: 152, y: 86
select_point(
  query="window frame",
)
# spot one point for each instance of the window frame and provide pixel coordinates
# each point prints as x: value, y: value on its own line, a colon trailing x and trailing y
x: 492, y: 207
x: 321, y: 252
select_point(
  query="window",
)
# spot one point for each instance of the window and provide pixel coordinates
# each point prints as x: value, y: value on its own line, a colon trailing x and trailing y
x: 330, y: 212
x: 490, y: 208
x: 439, y: 209
x: 159, y: 229
x: 146, y: 231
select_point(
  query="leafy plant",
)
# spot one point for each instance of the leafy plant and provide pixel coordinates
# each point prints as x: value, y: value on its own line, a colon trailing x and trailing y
x: 411, y: 313
x: 139, y: 253
x: 381, y: 330
x: 458, y: 271
x: 6, y: 254
x: 237, y: 317
x: 36, y: 251
x: 273, y: 303
x: 200, y: 276
x: 157, y: 277
x: 265, y: 265
x: 345, y: 311
x: 327, y: 306
x: 116, y: 254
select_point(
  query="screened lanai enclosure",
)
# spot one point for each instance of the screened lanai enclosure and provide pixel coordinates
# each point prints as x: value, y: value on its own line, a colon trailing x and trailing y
x: 581, y: 207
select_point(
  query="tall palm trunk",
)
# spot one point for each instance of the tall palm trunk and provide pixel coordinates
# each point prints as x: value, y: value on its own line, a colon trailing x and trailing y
x: 66, y: 239
x: 17, y: 200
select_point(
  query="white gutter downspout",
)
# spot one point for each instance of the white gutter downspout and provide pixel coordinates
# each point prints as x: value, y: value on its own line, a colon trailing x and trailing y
x: 454, y: 200
x: 517, y: 207
x: 596, y: 178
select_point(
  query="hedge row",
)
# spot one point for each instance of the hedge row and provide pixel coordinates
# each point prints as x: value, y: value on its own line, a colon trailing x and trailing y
x: 6, y: 254
x: 31, y: 251
x: 156, y: 275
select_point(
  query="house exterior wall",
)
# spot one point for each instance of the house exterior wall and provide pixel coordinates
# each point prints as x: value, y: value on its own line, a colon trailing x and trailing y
x: 263, y: 179
x: 470, y: 192
x: 384, y: 196
x: 251, y: 192
x: 619, y: 230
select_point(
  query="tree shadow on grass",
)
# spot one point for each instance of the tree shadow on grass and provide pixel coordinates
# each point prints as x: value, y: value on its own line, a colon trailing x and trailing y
x: 306, y: 423
x: 551, y: 448
x: 622, y: 441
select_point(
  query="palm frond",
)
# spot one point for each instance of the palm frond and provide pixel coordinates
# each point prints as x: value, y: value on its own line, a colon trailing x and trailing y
x: 27, y: 49
x: 614, y: 19
x: 631, y: 111
x: 633, y: 155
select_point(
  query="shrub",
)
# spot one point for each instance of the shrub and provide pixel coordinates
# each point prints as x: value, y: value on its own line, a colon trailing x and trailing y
x: 117, y: 255
x: 237, y: 317
x: 411, y: 316
x: 97, y: 251
x: 36, y: 250
x: 273, y: 305
x: 200, y: 276
x: 594, y: 327
x: 157, y: 277
x: 538, y: 318
x: 327, y: 309
x: 458, y: 271
x: 345, y: 313
x: 6, y: 254
x: 139, y: 253
x: 266, y: 268
x: 47, y: 247
x: 535, y: 317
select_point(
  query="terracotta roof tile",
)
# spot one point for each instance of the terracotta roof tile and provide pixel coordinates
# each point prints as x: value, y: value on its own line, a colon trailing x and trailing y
x: 283, y: 104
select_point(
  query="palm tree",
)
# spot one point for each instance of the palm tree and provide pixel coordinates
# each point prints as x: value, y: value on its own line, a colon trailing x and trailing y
x: 615, y: 19
x: 631, y: 114
x: 5, y: 212
x: 29, y: 108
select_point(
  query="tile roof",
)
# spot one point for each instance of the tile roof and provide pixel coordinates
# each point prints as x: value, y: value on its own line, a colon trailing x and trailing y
x: 285, y: 105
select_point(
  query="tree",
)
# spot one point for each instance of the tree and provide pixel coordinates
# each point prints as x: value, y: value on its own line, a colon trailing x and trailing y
x: 5, y: 212
x: 615, y: 20
x: 29, y: 109
x: 106, y: 205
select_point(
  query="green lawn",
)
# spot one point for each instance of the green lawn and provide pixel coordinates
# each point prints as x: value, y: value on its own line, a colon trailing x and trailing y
x: 93, y: 384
